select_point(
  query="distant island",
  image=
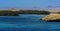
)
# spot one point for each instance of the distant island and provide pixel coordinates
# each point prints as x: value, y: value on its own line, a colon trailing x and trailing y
x: 16, y: 13
x: 13, y: 12
x: 41, y: 12
x: 9, y: 13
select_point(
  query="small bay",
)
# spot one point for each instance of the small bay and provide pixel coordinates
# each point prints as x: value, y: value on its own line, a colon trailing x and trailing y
x: 27, y: 22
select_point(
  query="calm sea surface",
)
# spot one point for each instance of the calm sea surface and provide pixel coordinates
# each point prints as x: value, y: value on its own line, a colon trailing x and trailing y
x: 27, y: 22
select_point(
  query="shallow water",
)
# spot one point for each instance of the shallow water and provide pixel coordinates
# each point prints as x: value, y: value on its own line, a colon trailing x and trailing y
x: 27, y: 22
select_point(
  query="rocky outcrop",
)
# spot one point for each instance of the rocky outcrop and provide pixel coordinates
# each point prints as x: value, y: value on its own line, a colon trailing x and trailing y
x: 52, y: 18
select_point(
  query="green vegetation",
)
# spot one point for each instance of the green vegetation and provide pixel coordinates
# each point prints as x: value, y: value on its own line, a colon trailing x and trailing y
x: 33, y: 12
x: 16, y: 13
x: 13, y: 13
x: 8, y: 13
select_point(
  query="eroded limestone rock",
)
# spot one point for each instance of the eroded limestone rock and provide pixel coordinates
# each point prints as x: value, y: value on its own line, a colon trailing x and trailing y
x: 52, y: 17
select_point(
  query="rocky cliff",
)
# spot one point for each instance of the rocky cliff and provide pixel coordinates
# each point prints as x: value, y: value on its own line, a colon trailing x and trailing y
x: 52, y: 17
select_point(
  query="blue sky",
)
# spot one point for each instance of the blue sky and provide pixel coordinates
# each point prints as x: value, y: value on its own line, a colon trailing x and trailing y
x: 28, y: 4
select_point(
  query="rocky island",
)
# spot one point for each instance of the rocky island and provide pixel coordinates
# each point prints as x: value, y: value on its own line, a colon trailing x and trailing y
x: 52, y: 18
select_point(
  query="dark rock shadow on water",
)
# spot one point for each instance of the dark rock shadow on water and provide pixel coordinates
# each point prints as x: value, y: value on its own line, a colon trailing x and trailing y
x: 57, y: 20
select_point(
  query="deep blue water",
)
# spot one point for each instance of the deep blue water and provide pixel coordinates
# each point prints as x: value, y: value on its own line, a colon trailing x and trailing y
x: 27, y: 22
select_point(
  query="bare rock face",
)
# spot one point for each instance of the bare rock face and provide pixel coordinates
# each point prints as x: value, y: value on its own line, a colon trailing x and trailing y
x: 52, y: 17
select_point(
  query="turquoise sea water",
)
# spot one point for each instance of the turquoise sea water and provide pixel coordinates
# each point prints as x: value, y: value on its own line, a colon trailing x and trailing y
x: 27, y: 22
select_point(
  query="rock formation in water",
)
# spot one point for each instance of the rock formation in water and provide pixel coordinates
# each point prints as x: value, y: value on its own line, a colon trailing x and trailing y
x: 52, y: 18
